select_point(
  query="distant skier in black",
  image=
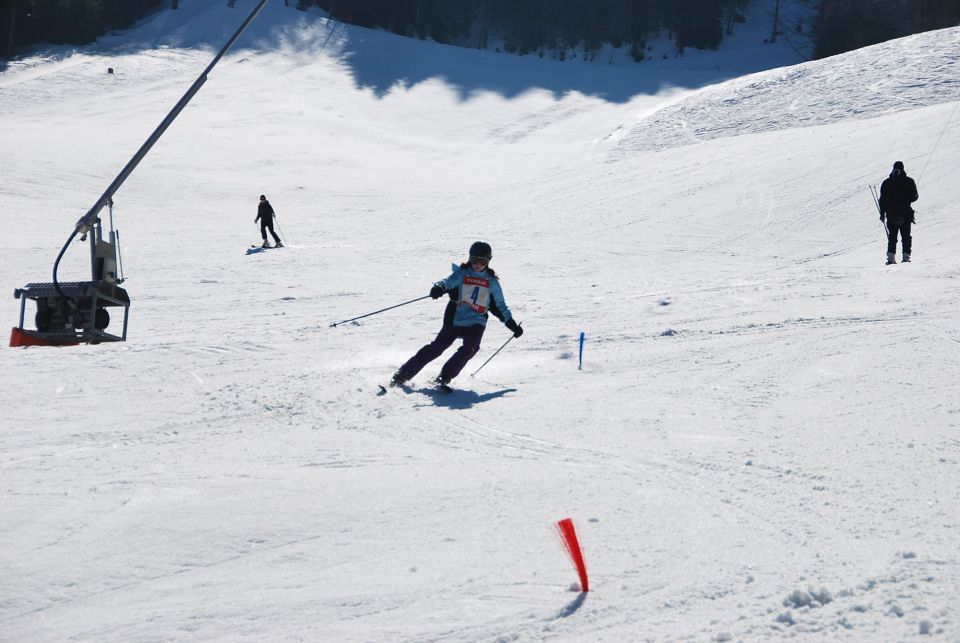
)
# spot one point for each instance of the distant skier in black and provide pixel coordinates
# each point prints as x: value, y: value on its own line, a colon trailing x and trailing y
x: 897, y: 192
x: 265, y: 217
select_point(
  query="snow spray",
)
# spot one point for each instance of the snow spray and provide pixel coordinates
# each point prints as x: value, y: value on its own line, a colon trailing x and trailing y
x: 583, y: 338
x: 569, y: 537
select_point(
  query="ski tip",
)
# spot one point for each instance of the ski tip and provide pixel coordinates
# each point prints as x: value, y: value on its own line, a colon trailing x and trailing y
x: 383, y: 389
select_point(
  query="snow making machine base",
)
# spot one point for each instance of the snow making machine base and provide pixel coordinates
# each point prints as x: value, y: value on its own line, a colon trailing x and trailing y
x: 76, y: 313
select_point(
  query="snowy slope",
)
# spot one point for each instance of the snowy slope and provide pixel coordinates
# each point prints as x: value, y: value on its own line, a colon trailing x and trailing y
x: 762, y: 441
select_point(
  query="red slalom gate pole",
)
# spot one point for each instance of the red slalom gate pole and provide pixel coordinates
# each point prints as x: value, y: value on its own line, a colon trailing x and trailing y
x: 569, y: 537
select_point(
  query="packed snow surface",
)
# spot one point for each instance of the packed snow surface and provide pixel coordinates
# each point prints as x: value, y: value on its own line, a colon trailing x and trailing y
x: 762, y: 441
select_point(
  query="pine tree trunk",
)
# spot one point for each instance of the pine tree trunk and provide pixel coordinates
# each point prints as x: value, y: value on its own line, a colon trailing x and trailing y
x: 7, y: 39
x: 776, y: 21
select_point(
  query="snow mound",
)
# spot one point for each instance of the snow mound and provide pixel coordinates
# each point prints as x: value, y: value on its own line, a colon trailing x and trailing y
x: 911, y: 72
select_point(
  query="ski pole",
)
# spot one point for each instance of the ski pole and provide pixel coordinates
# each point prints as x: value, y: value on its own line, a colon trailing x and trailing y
x: 876, y: 202
x: 376, y: 312
x: 495, y: 354
x: 277, y: 219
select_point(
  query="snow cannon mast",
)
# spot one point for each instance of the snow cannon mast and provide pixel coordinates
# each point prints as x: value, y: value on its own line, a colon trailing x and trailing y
x: 71, y: 313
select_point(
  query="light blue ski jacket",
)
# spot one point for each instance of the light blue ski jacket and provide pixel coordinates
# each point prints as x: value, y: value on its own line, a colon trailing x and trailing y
x: 478, y: 291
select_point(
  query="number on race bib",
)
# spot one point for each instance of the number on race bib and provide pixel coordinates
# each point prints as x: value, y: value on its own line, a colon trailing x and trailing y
x: 475, y: 293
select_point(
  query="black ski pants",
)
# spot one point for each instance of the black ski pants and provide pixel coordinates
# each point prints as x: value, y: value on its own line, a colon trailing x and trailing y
x: 266, y: 223
x: 899, y: 225
x: 471, y: 336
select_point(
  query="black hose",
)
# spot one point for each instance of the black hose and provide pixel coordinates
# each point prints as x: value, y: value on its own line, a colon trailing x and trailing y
x: 56, y: 264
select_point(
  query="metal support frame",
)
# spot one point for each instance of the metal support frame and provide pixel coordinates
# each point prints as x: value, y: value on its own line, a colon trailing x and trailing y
x: 85, y: 332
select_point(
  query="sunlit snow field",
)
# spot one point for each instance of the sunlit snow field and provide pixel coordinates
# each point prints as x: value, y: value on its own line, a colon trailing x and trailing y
x: 762, y: 441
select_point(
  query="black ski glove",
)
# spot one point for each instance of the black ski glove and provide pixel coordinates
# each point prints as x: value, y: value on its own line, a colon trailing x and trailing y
x: 514, y: 326
x: 437, y: 291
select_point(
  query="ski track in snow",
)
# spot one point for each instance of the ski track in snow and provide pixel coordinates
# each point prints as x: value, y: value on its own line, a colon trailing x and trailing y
x: 760, y: 445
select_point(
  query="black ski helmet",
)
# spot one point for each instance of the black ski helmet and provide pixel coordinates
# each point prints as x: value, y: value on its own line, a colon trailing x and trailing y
x: 481, y: 249
x: 898, y: 165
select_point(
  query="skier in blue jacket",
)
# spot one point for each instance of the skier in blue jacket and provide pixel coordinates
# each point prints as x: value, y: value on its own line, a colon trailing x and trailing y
x: 474, y: 292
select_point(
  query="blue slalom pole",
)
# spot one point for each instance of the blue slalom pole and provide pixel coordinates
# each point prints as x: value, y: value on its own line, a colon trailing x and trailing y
x: 583, y: 338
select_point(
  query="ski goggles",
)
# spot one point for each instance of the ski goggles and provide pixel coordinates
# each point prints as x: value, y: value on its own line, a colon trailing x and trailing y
x: 481, y: 260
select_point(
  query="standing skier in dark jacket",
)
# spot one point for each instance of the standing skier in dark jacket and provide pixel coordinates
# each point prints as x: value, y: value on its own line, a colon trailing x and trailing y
x: 265, y: 217
x: 474, y: 291
x: 897, y: 192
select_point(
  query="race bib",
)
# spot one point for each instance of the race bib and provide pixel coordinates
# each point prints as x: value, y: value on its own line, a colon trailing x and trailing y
x: 475, y: 293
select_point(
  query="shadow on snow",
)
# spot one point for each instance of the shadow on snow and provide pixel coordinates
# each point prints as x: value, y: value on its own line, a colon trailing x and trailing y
x: 573, y: 606
x: 383, y: 62
x: 461, y: 399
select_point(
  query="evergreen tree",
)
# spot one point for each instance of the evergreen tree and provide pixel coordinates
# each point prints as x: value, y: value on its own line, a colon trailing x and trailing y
x: 695, y: 23
x: 850, y: 24
x: 8, y: 26
x: 74, y: 22
x: 525, y: 26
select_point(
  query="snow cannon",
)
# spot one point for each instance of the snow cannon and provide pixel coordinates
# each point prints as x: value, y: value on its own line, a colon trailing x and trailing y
x: 71, y: 313
x: 75, y: 312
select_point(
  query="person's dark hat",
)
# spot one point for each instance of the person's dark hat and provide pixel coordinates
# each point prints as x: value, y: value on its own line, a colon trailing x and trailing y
x: 262, y: 197
x: 898, y: 165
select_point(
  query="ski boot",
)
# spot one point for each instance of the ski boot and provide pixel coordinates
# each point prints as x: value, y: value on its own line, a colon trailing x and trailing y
x: 266, y: 244
x: 279, y: 245
x: 443, y: 383
x: 891, y: 258
x: 398, y: 379
x: 906, y: 257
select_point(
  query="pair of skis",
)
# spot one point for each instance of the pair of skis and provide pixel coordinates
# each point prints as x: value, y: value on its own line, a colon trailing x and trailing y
x: 443, y: 388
